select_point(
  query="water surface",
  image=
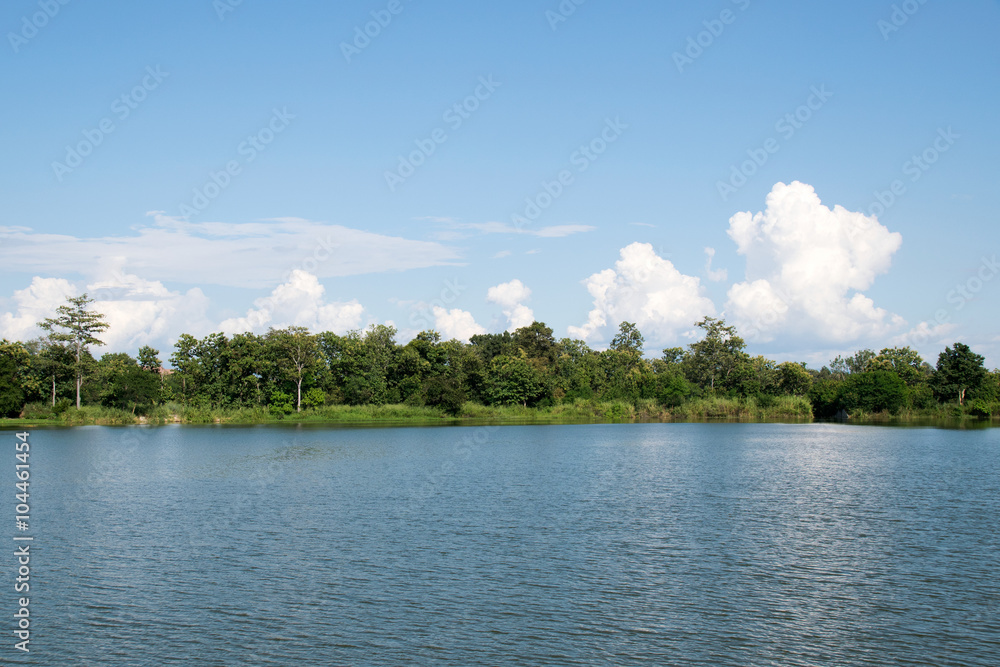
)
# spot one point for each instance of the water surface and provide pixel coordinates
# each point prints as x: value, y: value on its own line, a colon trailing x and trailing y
x: 713, y: 544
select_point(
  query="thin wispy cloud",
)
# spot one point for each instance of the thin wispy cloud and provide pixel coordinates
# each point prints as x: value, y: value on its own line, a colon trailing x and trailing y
x: 255, y: 254
x: 493, y: 227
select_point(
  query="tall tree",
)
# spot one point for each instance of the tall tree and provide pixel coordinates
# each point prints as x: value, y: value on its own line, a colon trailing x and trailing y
x: 903, y: 361
x: 53, y: 362
x: 861, y: 362
x: 628, y: 339
x: 717, y: 355
x: 959, y: 369
x: 125, y: 384
x: 79, y: 328
x: 15, y: 363
x: 185, y: 361
x: 537, y: 342
x: 297, y: 355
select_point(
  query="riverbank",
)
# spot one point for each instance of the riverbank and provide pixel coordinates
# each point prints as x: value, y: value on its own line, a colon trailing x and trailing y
x: 782, y: 409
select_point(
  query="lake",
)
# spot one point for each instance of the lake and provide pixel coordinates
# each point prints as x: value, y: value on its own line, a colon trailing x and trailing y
x: 627, y: 544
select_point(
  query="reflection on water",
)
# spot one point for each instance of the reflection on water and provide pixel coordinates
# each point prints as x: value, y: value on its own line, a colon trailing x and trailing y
x: 721, y: 544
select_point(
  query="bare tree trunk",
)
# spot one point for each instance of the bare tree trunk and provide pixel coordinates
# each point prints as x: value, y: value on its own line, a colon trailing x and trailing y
x: 53, y: 390
x: 79, y: 375
x: 299, y: 406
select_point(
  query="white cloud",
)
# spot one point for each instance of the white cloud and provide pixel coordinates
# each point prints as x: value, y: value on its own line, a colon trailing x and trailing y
x: 257, y: 254
x: 143, y: 312
x: 717, y: 275
x: 298, y: 302
x: 645, y: 289
x: 502, y: 254
x: 806, y: 267
x: 138, y: 312
x: 455, y: 323
x: 925, y: 334
x: 510, y: 297
x: 33, y: 304
x: 551, y: 232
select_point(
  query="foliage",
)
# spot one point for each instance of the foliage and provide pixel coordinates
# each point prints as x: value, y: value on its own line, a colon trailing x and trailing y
x: 78, y: 326
x: 959, y: 370
x: 281, y: 403
x: 14, y: 364
x: 314, y: 398
x: 294, y: 374
x: 982, y: 408
x: 872, y: 391
x: 126, y: 385
x: 715, y: 357
x: 793, y: 379
x: 512, y: 380
x: 296, y: 356
x: 446, y: 393
x: 903, y: 361
x: 824, y: 396
x: 628, y: 339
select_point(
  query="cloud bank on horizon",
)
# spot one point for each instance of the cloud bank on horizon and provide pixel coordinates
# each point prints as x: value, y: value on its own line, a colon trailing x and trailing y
x: 806, y: 268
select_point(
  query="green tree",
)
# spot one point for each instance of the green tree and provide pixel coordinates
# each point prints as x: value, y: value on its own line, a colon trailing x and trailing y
x: 824, y: 394
x: 872, y: 391
x: 489, y: 346
x: 297, y: 355
x: 903, y: 361
x: 794, y: 379
x: 674, y: 355
x: 79, y: 328
x: 124, y: 384
x: 628, y: 339
x: 577, y: 369
x: 512, y: 381
x: 15, y: 364
x: 860, y: 362
x: 185, y: 361
x: 959, y: 370
x: 53, y: 362
x: 149, y: 359
x: 537, y: 342
x: 714, y: 358
x: 755, y: 376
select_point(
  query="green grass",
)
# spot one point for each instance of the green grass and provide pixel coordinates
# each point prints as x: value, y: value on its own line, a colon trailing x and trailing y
x: 781, y: 408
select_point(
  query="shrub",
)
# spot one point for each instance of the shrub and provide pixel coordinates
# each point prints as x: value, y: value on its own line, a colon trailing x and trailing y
x: 981, y: 408
x: 281, y: 403
x: 823, y: 395
x: 314, y: 398
x: 874, y: 391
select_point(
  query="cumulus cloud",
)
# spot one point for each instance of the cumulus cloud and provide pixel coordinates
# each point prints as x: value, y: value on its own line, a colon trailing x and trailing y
x: 139, y: 312
x: 806, y: 267
x: 257, y: 254
x: 455, y: 323
x: 716, y: 275
x: 924, y: 334
x: 301, y: 301
x: 144, y: 312
x: 33, y: 304
x: 510, y: 297
x: 645, y: 289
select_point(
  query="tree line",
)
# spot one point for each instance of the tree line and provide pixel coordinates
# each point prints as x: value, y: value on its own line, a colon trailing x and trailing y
x: 291, y: 369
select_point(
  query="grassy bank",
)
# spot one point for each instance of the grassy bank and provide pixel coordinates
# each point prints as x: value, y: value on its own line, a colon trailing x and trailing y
x: 580, y: 411
x: 780, y: 409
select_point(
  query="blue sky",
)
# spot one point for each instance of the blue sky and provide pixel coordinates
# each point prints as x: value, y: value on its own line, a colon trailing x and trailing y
x: 200, y: 166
